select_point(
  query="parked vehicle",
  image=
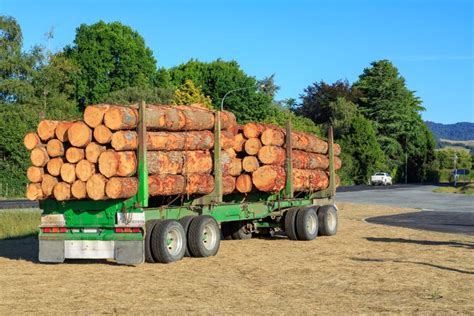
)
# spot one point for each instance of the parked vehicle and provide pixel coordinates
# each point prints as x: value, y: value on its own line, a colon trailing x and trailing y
x: 381, y: 178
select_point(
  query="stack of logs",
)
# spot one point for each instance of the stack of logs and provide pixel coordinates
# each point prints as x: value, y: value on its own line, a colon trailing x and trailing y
x: 96, y: 158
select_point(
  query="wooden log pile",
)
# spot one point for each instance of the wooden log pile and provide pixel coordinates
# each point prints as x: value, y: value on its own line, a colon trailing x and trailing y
x: 96, y: 158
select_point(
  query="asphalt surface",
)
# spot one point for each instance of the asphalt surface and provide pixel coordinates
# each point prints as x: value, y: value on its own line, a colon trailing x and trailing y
x: 18, y: 204
x: 443, y: 212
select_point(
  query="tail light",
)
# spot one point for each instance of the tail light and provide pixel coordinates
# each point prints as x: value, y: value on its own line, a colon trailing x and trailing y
x: 128, y: 230
x: 54, y: 229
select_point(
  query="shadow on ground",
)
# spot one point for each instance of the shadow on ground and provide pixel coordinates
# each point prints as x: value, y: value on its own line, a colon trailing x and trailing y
x: 467, y: 245
x: 20, y: 249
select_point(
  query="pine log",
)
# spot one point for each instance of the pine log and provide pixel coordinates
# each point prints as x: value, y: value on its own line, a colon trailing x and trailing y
x: 239, y: 141
x: 308, y: 142
x: 61, y: 130
x: 121, y: 188
x: 337, y: 163
x: 95, y: 187
x: 309, y: 180
x: 79, y: 134
x: 120, y: 117
x: 68, y: 172
x: 47, y: 184
x: 54, y: 166
x: 306, y: 160
x: 84, y: 170
x: 34, y: 174
x: 62, y: 191
x: 55, y: 148
x: 272, y: 136
x: 102, y: 134
x: 39, y: 157
x: 252, y: 146
x: 93, y: 151
x: 336, y: 149
x: 117, y: 163
x: 78, y: 189
x: 46, y: 129
x: 166, y: 185
x: 31, y: 140
x: 34, y: 192
x: 250, y: 163
x: 272, y: 155
x: 243, y: 184
x: 231, y: 152
x: 94, y: 114
x: 269, y: 178
x: 230, y: 165
x: 253, y: 130
x: 229, y: 122
x: 74, y: 154
x: 228, y: 184
x: 195, y: 161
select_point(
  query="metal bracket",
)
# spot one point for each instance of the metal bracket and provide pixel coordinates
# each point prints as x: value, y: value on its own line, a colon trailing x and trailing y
x: 289, y: 191
x: 142, y: 195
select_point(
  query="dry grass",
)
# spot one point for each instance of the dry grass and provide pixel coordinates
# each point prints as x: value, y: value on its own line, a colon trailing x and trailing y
x: 18, y: 223
x: 461, y: 189
x: 366, y: 268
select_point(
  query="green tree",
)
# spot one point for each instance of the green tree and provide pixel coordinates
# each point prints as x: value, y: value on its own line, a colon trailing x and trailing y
x: 111, y: 57
x: 132, y: 95
x: 188, y: 94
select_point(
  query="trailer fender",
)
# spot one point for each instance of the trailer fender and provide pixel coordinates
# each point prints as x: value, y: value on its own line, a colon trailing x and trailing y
x: 130, y: 252
x: 51, y: 251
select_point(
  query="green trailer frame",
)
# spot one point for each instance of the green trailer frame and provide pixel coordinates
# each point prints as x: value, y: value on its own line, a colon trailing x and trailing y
x: 91, y: 226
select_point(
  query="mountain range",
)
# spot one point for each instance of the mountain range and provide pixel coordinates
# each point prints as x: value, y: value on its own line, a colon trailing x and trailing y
x: 457, y: 131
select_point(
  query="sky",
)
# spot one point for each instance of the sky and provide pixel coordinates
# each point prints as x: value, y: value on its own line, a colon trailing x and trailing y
x: 431, y: 42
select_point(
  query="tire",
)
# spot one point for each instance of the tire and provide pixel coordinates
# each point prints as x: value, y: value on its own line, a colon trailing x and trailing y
x: 240, y: 232
x: 185, y: 221
x: 307, y: 223
x: 204, y: 236
x: 290, y: 223
x: 150, y: 225
x: 328, y: 221
x: 168, y: 241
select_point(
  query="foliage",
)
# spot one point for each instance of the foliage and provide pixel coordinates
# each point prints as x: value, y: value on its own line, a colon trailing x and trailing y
x: 16, y: 224
x: 445, y: 158
x: 188, y: 94
x: 457, y: 131
x: 131, y: 95
x: 281, y: 116
x: 111, y: 57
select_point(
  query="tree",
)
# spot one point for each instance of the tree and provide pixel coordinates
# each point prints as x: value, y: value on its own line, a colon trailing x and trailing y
x: 132, y: 95
x: 188, y: 94
x: 111, y: 57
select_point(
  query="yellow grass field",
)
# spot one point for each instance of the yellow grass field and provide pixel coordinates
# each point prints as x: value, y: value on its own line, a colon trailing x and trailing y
x: 366, y: 268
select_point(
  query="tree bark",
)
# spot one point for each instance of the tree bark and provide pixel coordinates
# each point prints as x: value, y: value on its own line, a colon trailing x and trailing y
x: 95, y: 187
x: 61, y: 130
x: 121, y: 188
x: 31, y: 140
x: 94, y: 114
x: 269, y: 178
x: 74, y: 154
x: 243, y: 184
x: 93, y: 151
x: 54, y: 166
x: 34, y: 174
x: 306, y: 160
x: 250, y: 163
x: 34, y: 192
x: 102, y: 134
x: 62, y: 191
x: 47, y: 185
x: 68, y: 172
x: 39, y: 157
x: 46, y: 129
x: 309, y: 180
x: 308, y: 142
x: 84, y: 170
x: 79, y: 134
x: 252, y: 146
x: 78, y: 189
x: 55, y: 148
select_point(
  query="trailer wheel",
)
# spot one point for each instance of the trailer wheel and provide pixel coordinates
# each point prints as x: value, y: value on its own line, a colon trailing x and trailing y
x: 150, y: 225
x: 290, y: 223
x: 307, y: 223
x: 328, y: 221
x: 240, y: 231
x: 204, y: 236
x: 168, y: 241
x: 185, y: 221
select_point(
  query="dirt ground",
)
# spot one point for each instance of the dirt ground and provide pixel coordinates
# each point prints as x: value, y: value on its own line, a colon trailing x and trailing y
x: 366, y: 268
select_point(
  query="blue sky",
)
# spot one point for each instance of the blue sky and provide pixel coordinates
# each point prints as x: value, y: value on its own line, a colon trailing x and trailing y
x: 431, y: 42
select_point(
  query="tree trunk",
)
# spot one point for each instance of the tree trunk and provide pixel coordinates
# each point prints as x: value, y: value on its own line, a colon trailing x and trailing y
x: 34, y: 192
x: 47, y: 185
x: 54, y: 166
x: 94, y: 114
x: 31, y: 140
x: 62, y: 191
x: 68, y: 172
x: 243, y: 184
x: 74, y: 154
x: 78, y: 189
x: 306, y: 160
x: 46, y: 129
x: 250, y: 163
x: 102, y: 134
x: 308, y: 142
x: 55, y: 148
x: 93, y: 151
x: 309, y: 180
x: 61, y: 130
x: 34, y: 174
x: 239, y: 141
x: 272, y: 155
x: 84, y: 170
x: 79, y: 134
x: 95, y: 187
x: 252, y: 146
x: 39, y: 157
x: 269, y: 178
x: 272, y: 136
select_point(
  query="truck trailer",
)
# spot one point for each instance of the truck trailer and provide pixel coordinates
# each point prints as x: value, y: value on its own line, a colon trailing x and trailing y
x: 165, y: 229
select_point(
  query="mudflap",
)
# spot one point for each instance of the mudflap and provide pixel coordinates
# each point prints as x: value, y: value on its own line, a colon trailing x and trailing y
x: 130, y: 252
x: 51, y: 251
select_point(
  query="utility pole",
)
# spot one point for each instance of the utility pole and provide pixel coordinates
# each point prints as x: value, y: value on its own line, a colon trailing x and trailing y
x: 406, y: 159
x: 455, y: 158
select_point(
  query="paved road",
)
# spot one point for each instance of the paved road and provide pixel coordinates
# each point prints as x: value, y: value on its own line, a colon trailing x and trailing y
x: 17, y: 204
x: 443, y: 212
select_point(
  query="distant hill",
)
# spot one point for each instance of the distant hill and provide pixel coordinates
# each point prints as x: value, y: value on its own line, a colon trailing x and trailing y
x: 456, y: 131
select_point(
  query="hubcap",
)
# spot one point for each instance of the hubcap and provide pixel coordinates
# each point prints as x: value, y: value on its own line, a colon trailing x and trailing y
x: 331, y: 220
x: 174, y: 241
x: 209, y: 237
x: 311, y: 224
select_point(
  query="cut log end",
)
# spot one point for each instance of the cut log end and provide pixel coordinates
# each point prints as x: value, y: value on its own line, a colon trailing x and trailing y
x: 31, y: 140
x: 250, y: 163
x: 269, y: 178
x: 93, y: 151
x: 102, y: 134
x: 243, y: 184
x: 47, y: 185
x: 55, y: 148
x: 252, y: 146
x: 78, y: 189
x: 39, y: 157
x: 46, y: 129
x: 34, y: 192
x: 79, y: 134
x: 120, y: 117
x: 62, y: 191
x: 68, y: 172
x: 121, y: 188
x: 35, y: 174
x: 95, y: 187
x: 61, y: 130
x: 74, y: 154
x: 84, y: 170
x: 54, y: 166
x: 94, y: 114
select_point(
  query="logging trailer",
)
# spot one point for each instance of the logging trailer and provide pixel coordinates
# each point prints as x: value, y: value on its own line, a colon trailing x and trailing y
x: 164, y: 229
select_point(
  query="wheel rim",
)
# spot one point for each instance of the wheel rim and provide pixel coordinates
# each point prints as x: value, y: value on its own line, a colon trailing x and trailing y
x: 332, y: 220
x: 174, y: 241
x: 209, y: 237
x: 311, y: 224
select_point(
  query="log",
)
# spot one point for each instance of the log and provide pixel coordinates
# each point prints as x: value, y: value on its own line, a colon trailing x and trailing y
x: 272, y: 155
x: 253, y: 130
x: 68, y: 172
x: 308, y: 142
x: 166, y: 185
x: 94, y: 114
x: 34, y: 192
x: 309, y: 180
x: 121, y: 188
x: 102, y: 134
x: 272, y: 136
x: 79, y: 134
x: 239, y: 141
x: 230, y: 165
x: 306, y: 160
x: 62, y: 191
x: 39, y: 157
x: 95, y: 187
x: 243, y: 184
x: 78, y: 189
x: 55, y: 148
x: 93, y: 151
x: 84, y: 170
x: 54, y: 166
x: 61, y: 130
x: 228, y: 184
x: 74, y: 154
x: 117, y: 163
x: 46, y: 129
x: 231, y: 152
x: 34, y: 174
x: 336, y: 149
x: 229, y: 121
x: 252, y: 146
x: 31, y: 140
x: 47, y: 184
x: 337, y: 163
x: 269, y: 178
x: 119, y: 117
x: 196, y: 161
x: 250, y: 163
